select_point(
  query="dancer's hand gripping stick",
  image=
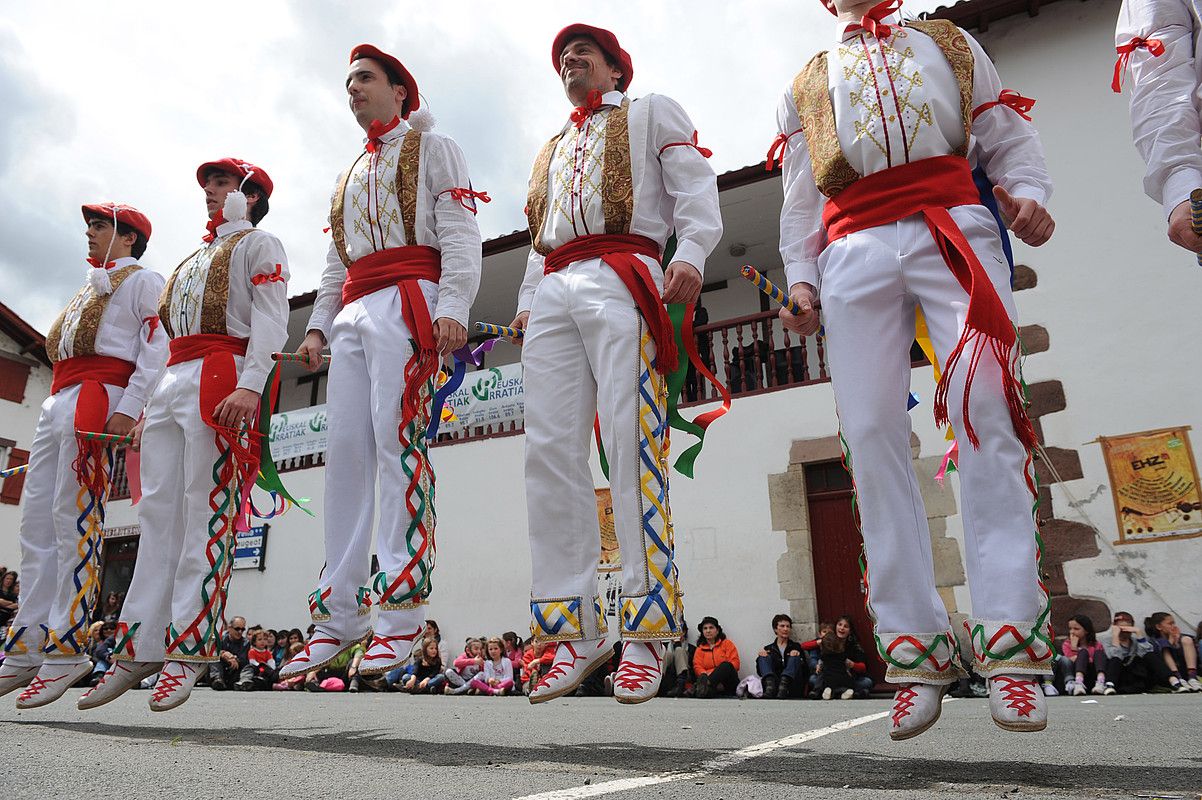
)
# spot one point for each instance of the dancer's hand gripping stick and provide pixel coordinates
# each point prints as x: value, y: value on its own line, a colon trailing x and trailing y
x: 770, y: 289
x: 499, y: 330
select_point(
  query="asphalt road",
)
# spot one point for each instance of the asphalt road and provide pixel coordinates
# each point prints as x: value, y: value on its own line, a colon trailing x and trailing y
x: 300, y: 745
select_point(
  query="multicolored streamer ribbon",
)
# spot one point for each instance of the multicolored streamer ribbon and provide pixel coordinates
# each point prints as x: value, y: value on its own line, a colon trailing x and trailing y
x: 269, y: 478
x: 463, y: 356
x: 948, y: 465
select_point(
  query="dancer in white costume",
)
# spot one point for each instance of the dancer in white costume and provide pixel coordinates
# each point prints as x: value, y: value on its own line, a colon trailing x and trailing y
x: 605, y: 194
x: 226, y: 311
x: 400, y: 279
x: 107, y: 353
x: 1158, y: 41
x: 879, y: 136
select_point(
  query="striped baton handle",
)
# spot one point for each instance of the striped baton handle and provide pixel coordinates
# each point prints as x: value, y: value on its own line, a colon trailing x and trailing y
x: 295, y: 358
x: 769, y: 288
x: 105, y: 438
x: 499, y: 330
x: 11, y: 471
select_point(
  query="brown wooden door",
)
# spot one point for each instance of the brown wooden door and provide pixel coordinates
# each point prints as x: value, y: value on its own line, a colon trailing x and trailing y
x: 836, y: 544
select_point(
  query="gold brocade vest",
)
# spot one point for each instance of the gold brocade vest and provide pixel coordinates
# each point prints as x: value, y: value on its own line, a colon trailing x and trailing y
x: 617, y: 183
x: 408, y: 171
x: 811, y: 95
x: 93, y: 306
x: 217, y: 288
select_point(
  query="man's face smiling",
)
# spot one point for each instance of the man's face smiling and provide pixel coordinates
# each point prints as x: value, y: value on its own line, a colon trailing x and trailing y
x: 582, y: 67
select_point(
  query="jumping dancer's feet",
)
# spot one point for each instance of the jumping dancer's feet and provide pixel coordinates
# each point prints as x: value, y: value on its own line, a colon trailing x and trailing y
x: 175, y: 684
x: 638, y: 675
x: 386, y: 653
x: 52, y: 681
x: 916, y: 708
x: 574, y: 661
x: 120, y: 678
x: 322, y: 648
x: 1017, y: 704
x: 15, y: 676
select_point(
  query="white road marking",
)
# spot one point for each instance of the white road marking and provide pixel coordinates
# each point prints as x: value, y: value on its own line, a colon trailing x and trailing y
x: 713, y: 765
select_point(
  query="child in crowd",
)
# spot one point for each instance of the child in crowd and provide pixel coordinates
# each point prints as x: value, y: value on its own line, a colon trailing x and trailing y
x: 841, y: 665
x: 467, y: 665
x: 1132, y: 663
x: 101, y: 641
x: 1178, y: 650
x: 536, y: 660
x: 497, y: 676
x: 261, y: 661
x: 1087, y: 657
x: 425, y: 675
x: 298, y: 681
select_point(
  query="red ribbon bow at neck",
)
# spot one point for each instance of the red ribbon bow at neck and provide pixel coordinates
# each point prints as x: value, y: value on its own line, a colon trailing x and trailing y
x: 376, y: 131
x: 871, y: 21
x: 95, y: 262
x: 212, y: 225
x: 1153, y: 46
x: 1010, y: 99
x: 580, y: 114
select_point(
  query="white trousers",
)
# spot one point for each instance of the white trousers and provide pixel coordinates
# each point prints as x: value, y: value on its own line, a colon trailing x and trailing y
x: 180, y: 583
x: 61, y: 528
x: 369, y: 347
x: 871, y: 283
x: 587, y: 355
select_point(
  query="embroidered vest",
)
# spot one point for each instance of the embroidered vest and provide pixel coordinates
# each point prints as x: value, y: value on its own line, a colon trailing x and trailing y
x: 408, y: 171
x: 811, y: 95
x: 81, y: 318
x: 617, y: 183
x: 217, y: 288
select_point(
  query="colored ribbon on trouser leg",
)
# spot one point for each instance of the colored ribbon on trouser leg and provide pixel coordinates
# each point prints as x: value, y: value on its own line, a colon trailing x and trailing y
x: 463, y: 356
x: 406, y: 589
x: 269, y: 477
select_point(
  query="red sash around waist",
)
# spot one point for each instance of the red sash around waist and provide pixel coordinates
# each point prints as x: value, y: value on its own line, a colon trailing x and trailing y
x: 91, y: 374
x: 930, y: 187
x: 190, y: 348
x: 620, y: 252
x: 98, y: 369
x: 403, y: 267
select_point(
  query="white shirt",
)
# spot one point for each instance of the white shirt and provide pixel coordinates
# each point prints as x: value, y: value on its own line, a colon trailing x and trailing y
x: 1166, y: 95
x: 258, y: 313
x: 372, y: 220
x: 673, y: 189
x: 126, y: 332
x: 898, y: 101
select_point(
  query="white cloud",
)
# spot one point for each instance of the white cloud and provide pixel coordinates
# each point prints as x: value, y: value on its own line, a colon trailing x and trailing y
x: 123, y: 101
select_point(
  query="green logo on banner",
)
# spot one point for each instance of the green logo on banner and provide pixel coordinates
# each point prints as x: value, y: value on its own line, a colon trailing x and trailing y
x: 487, y: 384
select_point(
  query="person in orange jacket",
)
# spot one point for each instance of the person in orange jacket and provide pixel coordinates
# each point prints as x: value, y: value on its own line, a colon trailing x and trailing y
x: 716, y: 661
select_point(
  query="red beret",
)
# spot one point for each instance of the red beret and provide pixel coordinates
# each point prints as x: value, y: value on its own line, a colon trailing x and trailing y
x: 238, y: 168
x: 413, y: 100
x: 604, y: 39
x: 127, y: 215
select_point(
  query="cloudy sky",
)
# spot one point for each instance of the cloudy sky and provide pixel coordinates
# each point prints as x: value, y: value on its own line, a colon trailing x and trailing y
x: 123, y: 100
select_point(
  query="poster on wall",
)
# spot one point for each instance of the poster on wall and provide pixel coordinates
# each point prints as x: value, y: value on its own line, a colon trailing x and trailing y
x: 1154, y: 481
x: 611, y: 556
x: 298, y: 433
x: 489, y: 396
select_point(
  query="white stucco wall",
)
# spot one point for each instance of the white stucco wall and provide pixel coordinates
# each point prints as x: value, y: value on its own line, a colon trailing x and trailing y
x: 17, y: 422
x: 1121, y: 304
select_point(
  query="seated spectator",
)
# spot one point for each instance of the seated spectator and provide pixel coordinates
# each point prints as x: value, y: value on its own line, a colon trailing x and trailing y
x: 466, y: 666
x: 296, y: 637
x: 715, y: 662
x: 431, y: 632
x: 678, y: 661
x: 812, y: 648
x: 514, y: 652
x: 260, y: 662
x: 338, y: 675
x: 101, y: 641
x: 497, y: 677
x: 536, y: 661
x: 297, y: 681
x: 111, y: 610
x: 1178, y: 651
x: 425, y: 675
x: 779, y: 663
x: 1133, y: 664
x: 227, y: 671
x: 9, y: 599
x: 1087, y: 655
x: 842, y: 672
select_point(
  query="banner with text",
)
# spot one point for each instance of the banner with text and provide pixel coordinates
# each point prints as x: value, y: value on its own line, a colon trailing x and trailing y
x: 1154, y: 481
x: 491, y: 396
x: 298, y: 433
